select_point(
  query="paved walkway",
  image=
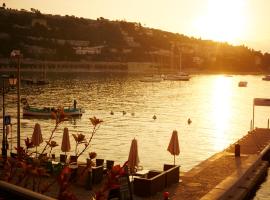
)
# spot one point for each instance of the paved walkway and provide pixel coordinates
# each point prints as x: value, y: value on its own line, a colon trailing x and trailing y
x: 203, y: 178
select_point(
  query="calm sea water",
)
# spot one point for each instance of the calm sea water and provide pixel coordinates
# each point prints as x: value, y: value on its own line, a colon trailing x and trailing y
x: 220, y: 112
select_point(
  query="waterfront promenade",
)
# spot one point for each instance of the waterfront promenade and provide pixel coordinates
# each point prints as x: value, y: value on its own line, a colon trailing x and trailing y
x: 222, y: 176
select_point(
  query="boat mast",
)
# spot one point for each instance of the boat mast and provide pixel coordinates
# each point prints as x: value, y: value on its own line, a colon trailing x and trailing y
x: 180, y: 55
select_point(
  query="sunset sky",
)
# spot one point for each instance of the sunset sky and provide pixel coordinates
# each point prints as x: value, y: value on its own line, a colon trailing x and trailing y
x: 236, y: 21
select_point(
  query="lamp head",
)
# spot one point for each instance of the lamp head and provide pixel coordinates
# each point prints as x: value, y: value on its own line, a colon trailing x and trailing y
x: 12, y: 80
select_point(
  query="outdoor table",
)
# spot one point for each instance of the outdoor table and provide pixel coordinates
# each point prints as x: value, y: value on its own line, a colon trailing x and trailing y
x: 131, y: 178
x: 142, y: 173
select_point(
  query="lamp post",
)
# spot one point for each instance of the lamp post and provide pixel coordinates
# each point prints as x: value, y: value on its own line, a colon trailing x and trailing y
x: 17, y: 55
x: 12, y: 82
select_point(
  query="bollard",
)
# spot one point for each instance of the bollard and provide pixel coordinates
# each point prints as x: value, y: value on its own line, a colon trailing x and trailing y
x: 237, y: 150
x: 166, y: 196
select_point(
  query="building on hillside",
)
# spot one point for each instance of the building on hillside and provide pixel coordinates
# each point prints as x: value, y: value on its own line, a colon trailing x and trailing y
x: 197, y: 60
x: 39, y: 21
x: 127, y: 50
x: 149, y: 32
x: 76, y: 43
x: 113, y: 50
x: 258, y: 60
x: 35, y: 50
x: 129, y: 39
x: 88, y: 50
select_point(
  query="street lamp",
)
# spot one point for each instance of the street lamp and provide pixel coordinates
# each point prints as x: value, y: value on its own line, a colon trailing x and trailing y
x: 16, y: 54
x: 12, y: 82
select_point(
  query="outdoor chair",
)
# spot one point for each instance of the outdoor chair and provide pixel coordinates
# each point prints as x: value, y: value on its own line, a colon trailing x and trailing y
x: 172, y: 174
x: 73, y: 160
x: 97, y: 174
x: 109, y: 164
x: 13, y: 155
x: 83, y: 176
x: 63, y: 158
x: 99, y: 162
x: 145, y: 187
x: 73, y: 166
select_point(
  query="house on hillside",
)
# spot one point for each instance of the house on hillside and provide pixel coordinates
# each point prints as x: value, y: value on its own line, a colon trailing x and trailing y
x: 96, y: 50
x: 39, y: 21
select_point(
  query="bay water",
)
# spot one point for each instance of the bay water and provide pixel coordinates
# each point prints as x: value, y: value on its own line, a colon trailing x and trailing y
x: 219, y: 110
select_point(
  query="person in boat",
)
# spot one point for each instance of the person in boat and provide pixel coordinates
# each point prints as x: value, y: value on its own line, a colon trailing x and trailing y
x: 189, y: 121
x: 74, y: 104
x: 26, y: 106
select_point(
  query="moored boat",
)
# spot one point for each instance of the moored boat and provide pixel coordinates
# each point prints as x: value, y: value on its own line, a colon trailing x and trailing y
x: 31, y: 111
x: 178, y: 77
x: 154, y: 78
x: 242, y: 84
x: 266, y: 78
x: 47, y: 112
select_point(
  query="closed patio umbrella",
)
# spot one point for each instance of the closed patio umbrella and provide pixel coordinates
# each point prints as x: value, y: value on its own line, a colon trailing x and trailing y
x: 65, y: 147
x: 133, y: 158
x: 173, y: 147
x: 37, y: 136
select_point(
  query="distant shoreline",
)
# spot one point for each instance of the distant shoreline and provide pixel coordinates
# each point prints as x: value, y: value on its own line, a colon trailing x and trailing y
x: 37, y: 66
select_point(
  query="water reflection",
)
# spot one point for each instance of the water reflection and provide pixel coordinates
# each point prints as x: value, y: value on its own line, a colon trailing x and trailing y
x: 221, y: 110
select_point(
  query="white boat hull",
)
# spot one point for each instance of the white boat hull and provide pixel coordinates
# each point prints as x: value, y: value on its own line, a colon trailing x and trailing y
x: 177, y: 78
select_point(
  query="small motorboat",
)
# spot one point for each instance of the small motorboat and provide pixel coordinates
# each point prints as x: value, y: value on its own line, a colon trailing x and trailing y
x: 30, y: 111
x: 242, y: 84
x: 266, y: 78
x: 47, y: 112
x: 154, y: 78
x: 178, y: 77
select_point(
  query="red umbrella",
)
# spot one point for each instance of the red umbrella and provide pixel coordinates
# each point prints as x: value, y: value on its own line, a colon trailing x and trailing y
x: 173, y: 147
x: 133, y: 158
x: 65, y: 147
x: 37, y: 136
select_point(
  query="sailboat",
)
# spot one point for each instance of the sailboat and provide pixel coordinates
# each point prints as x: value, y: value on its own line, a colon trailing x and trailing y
x: 37, y: 80
x: 180, y: 76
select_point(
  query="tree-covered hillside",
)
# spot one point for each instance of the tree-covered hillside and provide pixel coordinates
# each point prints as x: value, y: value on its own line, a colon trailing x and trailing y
x: 68, y: 38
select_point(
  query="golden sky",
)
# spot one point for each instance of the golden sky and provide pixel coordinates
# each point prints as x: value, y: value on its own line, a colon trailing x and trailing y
x: 235, y: 21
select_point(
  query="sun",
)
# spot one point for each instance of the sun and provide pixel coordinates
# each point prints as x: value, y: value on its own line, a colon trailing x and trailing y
x: 223, y: 21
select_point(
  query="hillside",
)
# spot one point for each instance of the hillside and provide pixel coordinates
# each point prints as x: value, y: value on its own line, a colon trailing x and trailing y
x: 68, y: 38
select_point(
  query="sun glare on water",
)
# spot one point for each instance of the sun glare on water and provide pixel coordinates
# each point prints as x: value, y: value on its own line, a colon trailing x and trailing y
x: 224, y: 20
x: 221, y: 102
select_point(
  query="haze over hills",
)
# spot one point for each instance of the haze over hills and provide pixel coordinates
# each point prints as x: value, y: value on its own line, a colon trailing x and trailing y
x: 68, y: 38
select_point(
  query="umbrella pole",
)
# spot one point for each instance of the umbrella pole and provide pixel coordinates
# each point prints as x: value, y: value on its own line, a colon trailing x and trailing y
x: 36, y: 151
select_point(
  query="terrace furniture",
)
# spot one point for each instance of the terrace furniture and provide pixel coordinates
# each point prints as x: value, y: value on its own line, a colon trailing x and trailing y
x: 172, y: 174
x: 109, y: 164
x: 63, y: 158
x: 73, y: 166
x: 82, y: 176
x: 13, y: 155
x: 97, y: 174
x: 156, y: 181
x: 73, y: 160
x: 99, y: 162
